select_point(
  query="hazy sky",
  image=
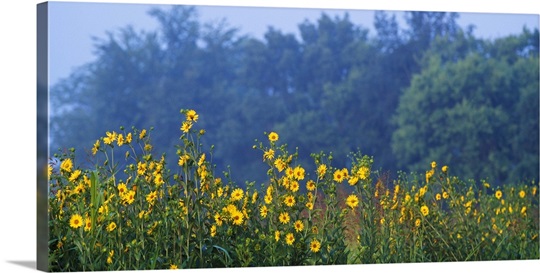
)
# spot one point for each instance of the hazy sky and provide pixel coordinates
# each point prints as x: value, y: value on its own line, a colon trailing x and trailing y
x: 72, y: 24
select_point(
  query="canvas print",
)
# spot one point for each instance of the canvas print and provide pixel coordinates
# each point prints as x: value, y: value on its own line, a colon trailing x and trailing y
x: 183, y: 137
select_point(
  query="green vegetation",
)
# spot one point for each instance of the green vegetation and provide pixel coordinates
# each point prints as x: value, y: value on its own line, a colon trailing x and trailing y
x: 187, y: 216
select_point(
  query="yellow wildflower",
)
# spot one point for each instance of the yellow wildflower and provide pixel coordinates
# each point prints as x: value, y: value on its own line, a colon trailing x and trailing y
x: 213, y: 230
x: 284, y: 217
x: 264, y: 211
x: 273, y: 137
x: 289, y: 238
x: 96, y: 147
x: 338, y: 176
x: 498, y: 194
x: 66, y: 165
x: 352, y: 201
x: 142, y: 134
x: 363, y: 172
x: 321, y: 171
x: 109, y: 258
x: 76, y: 221
x: 74, y: 175
x: 280, y: 164
x: 269, y: 154
x: 120, y: 140
x: 237, y: 194
x: 289, y: 200
x: 298, y: 226
x: 424, y: 210
x: 310, y: 185
x: 186, y: 126
x: 315, y: 246
x: 87, y: 224
x: 299, y: 173
x: 191, y: 115
x: 111, y: 227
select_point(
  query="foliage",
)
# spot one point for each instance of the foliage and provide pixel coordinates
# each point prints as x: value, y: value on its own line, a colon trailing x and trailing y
x: 403, y: 94
x: 186, y: 216
x: 468, y: 109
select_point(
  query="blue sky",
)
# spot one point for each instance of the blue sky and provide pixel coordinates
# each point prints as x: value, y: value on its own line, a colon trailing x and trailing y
x: 72, y: 24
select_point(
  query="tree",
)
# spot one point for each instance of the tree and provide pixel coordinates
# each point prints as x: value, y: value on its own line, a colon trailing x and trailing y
x: 464, y: 113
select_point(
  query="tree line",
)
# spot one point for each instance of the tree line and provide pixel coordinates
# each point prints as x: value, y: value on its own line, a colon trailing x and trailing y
x: 408, y: 95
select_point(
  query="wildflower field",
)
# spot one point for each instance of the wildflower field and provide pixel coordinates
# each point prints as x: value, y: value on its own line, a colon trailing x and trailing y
x: 148, y: 215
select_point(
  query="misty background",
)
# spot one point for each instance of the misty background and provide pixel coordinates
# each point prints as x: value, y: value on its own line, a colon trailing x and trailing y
x: 412, y: 88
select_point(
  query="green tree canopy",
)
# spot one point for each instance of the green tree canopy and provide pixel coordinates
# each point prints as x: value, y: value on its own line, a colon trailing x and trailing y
x: 469, y: 111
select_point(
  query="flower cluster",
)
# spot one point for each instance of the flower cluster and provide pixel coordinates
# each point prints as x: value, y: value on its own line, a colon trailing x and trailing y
x: 150, y: 216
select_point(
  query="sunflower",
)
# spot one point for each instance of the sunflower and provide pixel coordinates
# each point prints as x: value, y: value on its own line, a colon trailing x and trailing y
x: 66, y: 165
x: 264, y: 211
x: 284, y: 217
x: 129, y: 197
x: 237, y: 217
x: 299, y: 173
x: 218, y: 219
x: 522, y: 194
x: 186, y: 126
x: 74, y: 175
x: 298, y: 226
x: 280, y: 164
x: 315, y: 246
x: 269, y: 154
x: 310, y: 185
x: 111, y: 227
x: 120, y: 140
x: 268, y: 199
x: 363, y: 172
x: 290, y: 172
x: 289, y: 200
x: 294, y: 186
x: 273, y: 137
x: 122, y: 189
x: 498, y: 194
x: 289, y: 238
x: 76, y: 221
x: 213, y: 230
x: 95, y: 148
x: 183, y: 159
x: 87, y: 224
x: 237, y: 194
x: 424, y: 210
x: 352, y: 201
x: 321, y: 171
x: 191, y: 115
x: 338, y: 176
x: 151, y: 197
x: 142, y: 134
x: 276, y: 235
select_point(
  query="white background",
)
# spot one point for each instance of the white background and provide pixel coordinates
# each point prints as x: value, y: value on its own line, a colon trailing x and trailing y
x: 18, y: 127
